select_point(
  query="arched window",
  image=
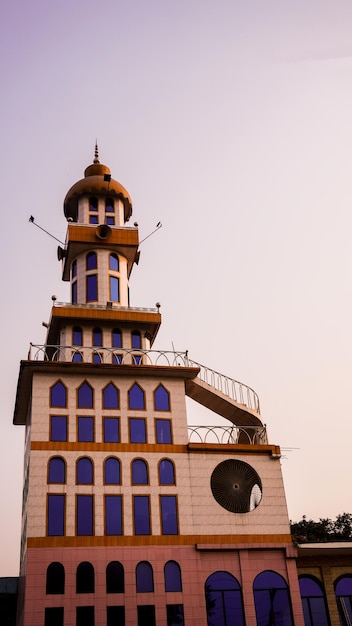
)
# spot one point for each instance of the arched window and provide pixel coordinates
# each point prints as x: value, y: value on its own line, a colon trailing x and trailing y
x: 172, y: 576
x: 84, y: 471
x: 74, y: 269
x: 136, y: 398
x: 58, y: 395
x: 92, y: 287
x: 136, y: 339
x: 77, y: 357
x: 343, y: 592
x: 77, y: 338
x: 85, y: 396
x: 161, y: 399
x: 116, y: 338
x: 223, y: 597
x: 93, y: 204
x: 114, y: 262
x: 166, y: 472
x: 109, y: 205
x: 272, y: 600
x: 144, y: 577
x: 110, y: 397
x: 97, y: 337
x: 91, y: 261
x: 57, y: 470
x: 112, y: 471
x: 114, y: 289
x: 313, y: 601
x: 85, y: 578
x: 55, y: 578
x: 115, y: 577
x: 139, y: 472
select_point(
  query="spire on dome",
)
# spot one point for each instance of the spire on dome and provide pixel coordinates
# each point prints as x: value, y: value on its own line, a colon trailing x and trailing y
x: 96, y: 153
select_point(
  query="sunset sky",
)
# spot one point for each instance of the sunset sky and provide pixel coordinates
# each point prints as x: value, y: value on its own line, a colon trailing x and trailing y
x: 230, y: 122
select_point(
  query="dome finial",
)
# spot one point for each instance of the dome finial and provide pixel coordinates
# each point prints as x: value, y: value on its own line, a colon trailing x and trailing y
x: 96, y: 153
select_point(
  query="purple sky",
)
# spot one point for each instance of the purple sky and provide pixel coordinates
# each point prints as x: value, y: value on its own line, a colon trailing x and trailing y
x: 230, y: 122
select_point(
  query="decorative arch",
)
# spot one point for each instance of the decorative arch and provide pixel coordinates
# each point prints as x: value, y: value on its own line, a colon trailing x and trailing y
x: 85, y: 578
x: 57, y: 470
x: 272, y: 599
x: 223, y: 598
x: 84, y: 471
x: 144, y: 577
x: 166, y: 469
x: 55, y: 578
x: 58, y: 395
x: 115, y: 577
x: 172, y: 576
x: 161, y: 398
x: 112, y: 471
x: 139, y: 472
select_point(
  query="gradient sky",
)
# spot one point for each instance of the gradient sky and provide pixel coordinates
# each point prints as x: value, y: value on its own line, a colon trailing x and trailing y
x: 231, y: 123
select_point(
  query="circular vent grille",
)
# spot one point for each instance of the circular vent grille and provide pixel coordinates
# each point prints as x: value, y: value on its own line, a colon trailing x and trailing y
x: 236, y: 486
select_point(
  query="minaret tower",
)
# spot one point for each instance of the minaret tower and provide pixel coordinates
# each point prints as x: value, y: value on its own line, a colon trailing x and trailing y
x: 131, y: 516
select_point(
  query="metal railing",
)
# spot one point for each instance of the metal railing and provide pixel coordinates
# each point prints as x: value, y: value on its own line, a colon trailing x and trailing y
x: 228, y: 434
x: 110, y: 305
x: 233, y: 389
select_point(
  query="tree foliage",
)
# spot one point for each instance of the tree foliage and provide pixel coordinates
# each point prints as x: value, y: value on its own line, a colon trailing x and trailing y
x: 309, y: 531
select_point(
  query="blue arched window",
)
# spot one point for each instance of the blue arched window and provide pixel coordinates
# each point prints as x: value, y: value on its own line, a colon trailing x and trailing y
x: 110, y: 397
x: 144, y: 577
x: 109, y: 205
x: 74, y: 269
x: 223, y: 597
x: 161, y: 399
x: 84, y: 471
x: 313, y: 601
x: 343, y: 592
x: 55, y: 578
x: 57, y: 470
x: 93, y: 204
x: 116, y: 338
x: 136, y: 398
x: 136, y: 339
x: 91, y: 261
x: 139, y: 472
x: 114, y: 262
x: 85, y: 396
x: 115, y: 577
x: 166, y: 472
x: 58, y: 395
x: 272, y: 600
x: 85, y: 578
x: 112, y: 471
x: 77, y: 339
x: 97, y: 337
x: 172, y: 576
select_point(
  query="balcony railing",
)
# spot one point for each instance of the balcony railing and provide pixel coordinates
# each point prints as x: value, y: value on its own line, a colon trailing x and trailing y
x: 228, y: 434
x: 108, y: 305
x: 233, y: 389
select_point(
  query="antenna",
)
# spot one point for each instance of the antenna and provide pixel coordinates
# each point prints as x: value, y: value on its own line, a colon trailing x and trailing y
x: 159, y: 225
x: 31, y: 219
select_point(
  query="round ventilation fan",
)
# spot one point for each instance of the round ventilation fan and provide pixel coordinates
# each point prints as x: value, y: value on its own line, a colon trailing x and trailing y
x: 236, y: 486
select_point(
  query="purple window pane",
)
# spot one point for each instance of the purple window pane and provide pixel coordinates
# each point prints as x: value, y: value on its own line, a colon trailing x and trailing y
x: 109, y: 205
x: 309, y: 587
x: 172, y: 576
x: 175, y: 616
x: 97, y: 337
x: 74, y: 292
x: 115, y: 616
x: 110, y: 397
x: 77, y: 357
x: 169, y: 525
x: 77, y: 336
x: 84, y: 515
x: 85, y: 396
x: 74, y: 269
x: 58, y: 395
x: 93, y: 219
x: 344, y: 586
x: 116, y: 338
x: 111, y: 430
x: 97, y: 357
x: 224, y: 600
x: 55, y: 578
x: 117, y: 359
x: 54, y: 616
x: 113, y: 512
x: 136, y: 339
x: 85, y: 616
x: 56, y: 515
x: 161, y: 399
x: 115, y: 578
x: 141, y: 515
x: 84, y: 472
x: 114, y: 262
x: 114, y: 289
x: 269, y: 580
x: 58, y: 430
x: 93, y: 204
x: 91, y: 261
x: 110, y: 220
x: 57, y: 471
x: 137, y: 359
x: 270, y: 602
x: 112, y: 472
x: 85, y: 578
x: 136, y: 398
x: 146, y: 615
x: 138, y: 432
x: 166, y: 472
x: 92, y: 288
x: 139, y: 472
x: 163, y: 431
x: 144, y: 577
x: 86, y: 429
